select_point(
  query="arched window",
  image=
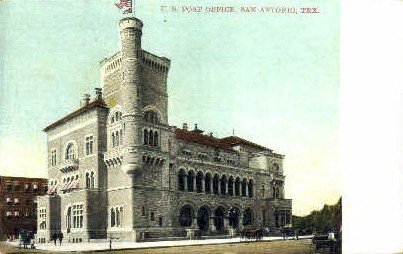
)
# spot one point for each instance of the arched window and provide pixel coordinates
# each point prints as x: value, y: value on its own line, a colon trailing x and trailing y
x: 113, y: 139
x: 145, y: 137
x: 113, y: 221
x: 237, y: 186
x: 248, y: 217
x: 117, y: 138
x: 92, y: 180
x: 87, y: 180
x: 181, y: 180
x: 186, y: 216
x: 68, y: 219
x: 207, y: 183
x: 151, y: 117
x: 70, y: 151
x: 155, y: 138
x: 117, y: 217
x: 121, y: 137
x: 244, y: 187
x: 215, y: 183
x: 199, y: 182
x: 231, y: 186
x: 276, y: 168
x: 121, y: 215
x: 115, y: 117
x: 223, y: 185
x: 150, y: 138
x: 250, y: 187
x: 190, y: 179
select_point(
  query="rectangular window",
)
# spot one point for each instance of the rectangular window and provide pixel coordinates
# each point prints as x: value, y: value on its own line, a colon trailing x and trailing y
x: 89, y: 145
x: 152, y: 217
x: 8, y: 186
x: 78, y: 216
x: 42, y: 218
x: 17, y: 186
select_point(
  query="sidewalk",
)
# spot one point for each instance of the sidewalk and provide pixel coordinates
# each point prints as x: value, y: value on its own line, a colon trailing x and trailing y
x: 137, y: 245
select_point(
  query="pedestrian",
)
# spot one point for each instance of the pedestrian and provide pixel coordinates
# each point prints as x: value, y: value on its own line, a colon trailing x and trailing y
x: 60, y: 236
x: 54, y: 237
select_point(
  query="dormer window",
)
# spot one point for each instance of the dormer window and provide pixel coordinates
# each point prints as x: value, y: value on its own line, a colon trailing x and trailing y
x: 186, y: 153
x: 217, y: 159
x: 202, y: 156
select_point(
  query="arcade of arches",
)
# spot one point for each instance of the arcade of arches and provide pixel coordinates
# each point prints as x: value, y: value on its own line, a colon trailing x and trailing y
x: 216, y: 220
x: 214, y: 184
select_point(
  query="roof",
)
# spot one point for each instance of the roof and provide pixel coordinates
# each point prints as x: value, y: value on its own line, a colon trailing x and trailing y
x: 94, y: 104
x: 234, y: 140
x: 223, y: 143
x: 21, y: 178
x: 197, y: 138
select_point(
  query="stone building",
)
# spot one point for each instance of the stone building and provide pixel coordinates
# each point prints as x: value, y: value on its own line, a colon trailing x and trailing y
x: 18, y: 210
x: 118, y: 169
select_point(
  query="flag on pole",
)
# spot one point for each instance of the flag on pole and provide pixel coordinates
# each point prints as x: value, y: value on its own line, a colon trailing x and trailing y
x: 126, y: 4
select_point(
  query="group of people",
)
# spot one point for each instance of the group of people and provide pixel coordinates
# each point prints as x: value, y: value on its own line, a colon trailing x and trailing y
x: 57, y: 236
x: 27, y: 238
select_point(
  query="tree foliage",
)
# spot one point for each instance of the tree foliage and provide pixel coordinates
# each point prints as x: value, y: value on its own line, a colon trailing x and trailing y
x: 320, y: 222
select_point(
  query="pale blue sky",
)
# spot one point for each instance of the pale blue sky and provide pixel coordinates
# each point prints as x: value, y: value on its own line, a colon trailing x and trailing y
x: 272, y: 78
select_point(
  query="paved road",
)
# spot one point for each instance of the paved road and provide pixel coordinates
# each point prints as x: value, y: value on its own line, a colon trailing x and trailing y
x: 277, y: 247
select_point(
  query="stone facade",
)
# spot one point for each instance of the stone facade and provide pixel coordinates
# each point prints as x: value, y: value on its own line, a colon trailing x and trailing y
x: 118, y: 169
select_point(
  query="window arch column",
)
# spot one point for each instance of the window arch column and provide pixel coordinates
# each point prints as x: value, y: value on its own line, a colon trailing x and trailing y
x: 203, y: 184
x: 185, y: 182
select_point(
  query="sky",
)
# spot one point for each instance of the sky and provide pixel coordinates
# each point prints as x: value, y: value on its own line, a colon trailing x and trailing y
x: 271, y: 78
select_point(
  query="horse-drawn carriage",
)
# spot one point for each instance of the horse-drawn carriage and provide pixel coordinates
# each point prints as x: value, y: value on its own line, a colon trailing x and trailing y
x: 27, y: 238
x: 251, y: 233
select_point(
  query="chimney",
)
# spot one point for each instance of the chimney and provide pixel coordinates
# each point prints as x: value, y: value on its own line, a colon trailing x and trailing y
x: 210, y: 134
x: 98, y: 93
x: 195, y: 126
x: 86, y: 100
x: 185, y: 126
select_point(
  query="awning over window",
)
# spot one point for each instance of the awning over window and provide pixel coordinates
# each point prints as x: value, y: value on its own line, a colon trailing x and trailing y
x: 52, y: 189
x: 70, y: 185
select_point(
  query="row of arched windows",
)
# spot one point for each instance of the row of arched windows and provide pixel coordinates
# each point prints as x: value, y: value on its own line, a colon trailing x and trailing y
x: 117, y: 116
x: 70, y: 179
x: 220, y: 218
x: 117, y: 138
x: 116, y: 214
x: 151, y: 138
x: 206, y: 183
